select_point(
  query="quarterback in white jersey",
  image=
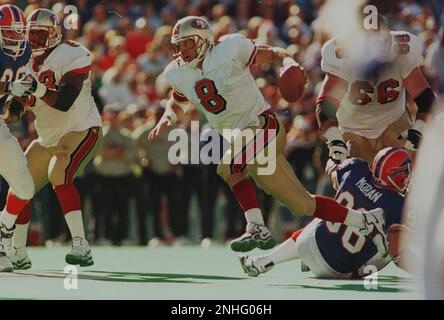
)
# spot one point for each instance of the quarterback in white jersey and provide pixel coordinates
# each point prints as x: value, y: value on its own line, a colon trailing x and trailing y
x: 370, y: 93
x: 231, y: 99
x: 58, y: 91
x: 216, y: 79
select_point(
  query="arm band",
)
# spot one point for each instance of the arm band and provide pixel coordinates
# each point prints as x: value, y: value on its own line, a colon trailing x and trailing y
x: 425, y: 101
x: 66, y: 97
x: 326, y: 113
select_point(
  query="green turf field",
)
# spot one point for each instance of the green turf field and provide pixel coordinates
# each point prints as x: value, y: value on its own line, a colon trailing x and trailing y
x: 184, y: 273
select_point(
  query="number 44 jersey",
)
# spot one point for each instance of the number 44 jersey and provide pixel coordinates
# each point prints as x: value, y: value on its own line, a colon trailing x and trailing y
x: 52, y: 124
x: 343, y: 247
x: 224, y: 88
x: 372, y: 103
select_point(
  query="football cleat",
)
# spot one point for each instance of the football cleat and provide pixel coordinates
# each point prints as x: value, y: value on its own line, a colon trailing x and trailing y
x: 304, y: 267
x: 5, y: 247
x: 255, y: 236
x: 20, y: 259
x: 254, y: 266
x: 80, y: 253
x: 375, y: 230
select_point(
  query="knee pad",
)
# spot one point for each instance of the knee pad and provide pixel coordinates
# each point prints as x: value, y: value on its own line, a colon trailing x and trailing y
x: 22, y: 185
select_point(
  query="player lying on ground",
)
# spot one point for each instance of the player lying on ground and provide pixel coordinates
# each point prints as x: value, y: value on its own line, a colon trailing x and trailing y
x: 68, y: 123
x: 334, y: 250
x: 216, y: 79
x: 364, y: 102
x: 14, y: 55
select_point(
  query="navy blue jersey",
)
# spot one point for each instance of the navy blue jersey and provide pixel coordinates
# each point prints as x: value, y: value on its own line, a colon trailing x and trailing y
x: 343, y: 247
x: 12, y: 69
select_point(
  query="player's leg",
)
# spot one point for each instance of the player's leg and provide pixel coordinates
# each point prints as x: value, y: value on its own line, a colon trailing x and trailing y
x: 38, y: 158
x: 19, y: 256
x: 392, y: 136
x: 284, y: 186
x: 286, y: 251
x: 232, y: 169
x: 71, y: 155
x: 361, y: 147
x: 36, y: 162
x: 13, y: 167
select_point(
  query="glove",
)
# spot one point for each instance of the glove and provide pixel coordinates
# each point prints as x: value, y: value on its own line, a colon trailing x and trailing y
x: 413, y: 138
x: 338, y: 150
x: 16, y: 88
x: 12, y: 111
x: 25, y: 87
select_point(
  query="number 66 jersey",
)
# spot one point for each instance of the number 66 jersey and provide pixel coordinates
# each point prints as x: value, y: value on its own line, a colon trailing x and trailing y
x: 52, y: 124
x: 370, y: 105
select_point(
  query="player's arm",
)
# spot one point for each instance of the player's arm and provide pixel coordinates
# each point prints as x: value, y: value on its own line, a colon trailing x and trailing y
x: 419, y: 89
x: 331, y: 172
x: 332, y: 91
x: 175, y: 109
x: 63, y: 98
x: 60, y: 99
x: 273, y: 55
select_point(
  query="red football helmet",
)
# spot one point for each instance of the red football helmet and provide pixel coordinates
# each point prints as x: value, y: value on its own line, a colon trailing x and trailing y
x: 392, y: 168
x: 13, y: 34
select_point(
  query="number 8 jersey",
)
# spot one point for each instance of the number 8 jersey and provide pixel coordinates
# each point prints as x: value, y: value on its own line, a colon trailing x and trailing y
x: 52, y: 124
x: 369, y: 107
x: 224, y: 88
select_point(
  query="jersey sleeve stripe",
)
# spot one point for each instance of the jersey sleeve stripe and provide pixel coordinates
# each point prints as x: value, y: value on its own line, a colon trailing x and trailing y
x: 179, y: 97
x: 252, y: 56
x: 82, y: 70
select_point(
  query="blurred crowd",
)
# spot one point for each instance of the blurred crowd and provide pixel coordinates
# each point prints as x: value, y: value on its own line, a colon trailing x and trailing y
x: 131, y: 193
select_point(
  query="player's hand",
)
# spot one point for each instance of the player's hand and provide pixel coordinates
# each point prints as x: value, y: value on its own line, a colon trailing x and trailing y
x: 17, y: 88
x: 12, y: 111
x: 160, y: 126
x: 413, y: 139
x: 338, y: 150
x: 27, y: 86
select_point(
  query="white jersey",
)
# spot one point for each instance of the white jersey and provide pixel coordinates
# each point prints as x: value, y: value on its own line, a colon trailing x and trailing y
x: 224, y: 88
x: 52, y: 124
x: 369, y: 107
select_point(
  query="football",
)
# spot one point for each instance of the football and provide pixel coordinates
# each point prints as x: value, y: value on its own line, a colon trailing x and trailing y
x: 292, y: 82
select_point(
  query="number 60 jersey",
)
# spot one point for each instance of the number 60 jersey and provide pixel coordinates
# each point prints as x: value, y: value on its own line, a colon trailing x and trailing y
x: 369, y: 107
x: 52, y: 124
x: 224, y: 88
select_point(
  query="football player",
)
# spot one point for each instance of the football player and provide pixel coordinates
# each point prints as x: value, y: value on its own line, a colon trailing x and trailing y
x: 363, y: 100
x: 58, y: 88
x: 215, y: 77
x: 334, y: 250
x: 14, y: 55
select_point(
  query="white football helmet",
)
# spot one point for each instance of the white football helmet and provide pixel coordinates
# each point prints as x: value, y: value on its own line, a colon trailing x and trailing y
x: 197, y: 29
x: 44, y: 31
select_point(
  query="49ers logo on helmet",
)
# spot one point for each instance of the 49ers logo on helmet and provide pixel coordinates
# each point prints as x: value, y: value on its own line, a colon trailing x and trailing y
x: 199, y: 24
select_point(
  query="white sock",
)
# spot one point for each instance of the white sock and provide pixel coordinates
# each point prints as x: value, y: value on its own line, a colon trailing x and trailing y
x: 255, y: 216
x: 21, y: 235
x: 286, y: 251
x: 75, y: 224
x: 355, y: 219
x: 8, y: 219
